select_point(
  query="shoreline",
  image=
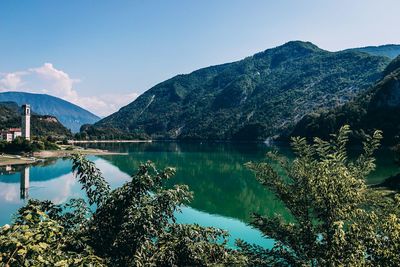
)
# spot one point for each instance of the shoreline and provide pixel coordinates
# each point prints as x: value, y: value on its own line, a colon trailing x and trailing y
x: 45, y: 154
x: 108, y: 141
x: 40, y: 156
x: 9, y: 160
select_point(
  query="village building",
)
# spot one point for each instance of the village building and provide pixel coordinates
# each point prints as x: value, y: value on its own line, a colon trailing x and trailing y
x: 10, y: 134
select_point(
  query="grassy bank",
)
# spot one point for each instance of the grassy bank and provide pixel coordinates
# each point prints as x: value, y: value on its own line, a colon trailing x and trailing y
x: 63, y: 151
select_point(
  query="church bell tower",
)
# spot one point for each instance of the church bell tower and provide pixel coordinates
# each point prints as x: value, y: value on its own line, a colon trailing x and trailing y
x: 26, y: 121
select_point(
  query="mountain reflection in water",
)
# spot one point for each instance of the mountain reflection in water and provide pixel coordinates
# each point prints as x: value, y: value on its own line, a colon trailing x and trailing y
x: 225, y: 192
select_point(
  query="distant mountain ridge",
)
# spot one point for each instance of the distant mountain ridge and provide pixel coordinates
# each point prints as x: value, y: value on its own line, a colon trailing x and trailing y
x: 255, y: 98
x: 389, y: 50
x: 70, y: 115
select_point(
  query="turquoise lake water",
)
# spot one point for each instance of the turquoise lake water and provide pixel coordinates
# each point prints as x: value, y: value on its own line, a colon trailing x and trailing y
x: 225, y: 192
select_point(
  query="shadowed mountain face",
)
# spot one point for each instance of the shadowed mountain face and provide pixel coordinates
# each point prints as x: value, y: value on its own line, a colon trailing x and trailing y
x: 378, y: 108
x: 70, y: 115
x: 252, y: 99
x: 41, y: 125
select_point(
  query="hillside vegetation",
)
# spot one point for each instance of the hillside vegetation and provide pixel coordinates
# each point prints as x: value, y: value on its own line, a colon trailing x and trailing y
x: 390, y: 50
x: 377, y: 108
x: 70, y: 115
x: 255, y: 98
x: 41, y: 125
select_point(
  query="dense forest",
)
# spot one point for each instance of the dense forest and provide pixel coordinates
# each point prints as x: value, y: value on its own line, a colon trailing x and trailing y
x: 255, y: 98
x: 389, y: 50
x: 377, y: 108
x: 90, y: 132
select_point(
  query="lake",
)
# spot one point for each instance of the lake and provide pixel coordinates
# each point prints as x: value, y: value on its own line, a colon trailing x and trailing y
x: 225, y: 192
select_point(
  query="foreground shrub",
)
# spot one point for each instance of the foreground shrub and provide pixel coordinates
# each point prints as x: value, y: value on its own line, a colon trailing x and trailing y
x: 336, y: 220
x: 133, y: 225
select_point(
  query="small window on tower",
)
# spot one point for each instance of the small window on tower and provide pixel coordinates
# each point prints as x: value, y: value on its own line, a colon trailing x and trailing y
x: 27, y: 111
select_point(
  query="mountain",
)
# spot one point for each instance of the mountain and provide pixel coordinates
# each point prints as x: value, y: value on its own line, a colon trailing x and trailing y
x: 41, y: 125
x: 377, y: 108
x: 390, y: 50
x: 255, y: 98
x: 8, y: 114
x: 70, y: 115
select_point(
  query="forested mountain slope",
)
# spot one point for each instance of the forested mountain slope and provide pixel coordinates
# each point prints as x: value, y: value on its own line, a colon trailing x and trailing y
x: 255, y: 98
x: 390, y: 50
x: 70, y: 115
x: 41, y: 125
x: 377, y: 108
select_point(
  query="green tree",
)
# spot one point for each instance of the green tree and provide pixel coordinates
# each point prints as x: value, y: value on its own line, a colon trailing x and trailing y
x: 336, y: 220
x: 35, y: 239
x: 133, y: 225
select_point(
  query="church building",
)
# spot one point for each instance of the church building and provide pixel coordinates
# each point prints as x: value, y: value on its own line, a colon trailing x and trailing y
x: 10, y: 134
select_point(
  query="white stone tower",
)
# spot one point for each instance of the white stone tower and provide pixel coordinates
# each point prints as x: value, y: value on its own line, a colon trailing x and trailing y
x: 26, y: 121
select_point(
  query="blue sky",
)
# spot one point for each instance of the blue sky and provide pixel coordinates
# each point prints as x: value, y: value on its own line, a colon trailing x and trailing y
x: 102, y: 54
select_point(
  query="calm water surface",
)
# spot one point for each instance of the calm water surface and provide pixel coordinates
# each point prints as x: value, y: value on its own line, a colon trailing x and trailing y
x: 225, y: 192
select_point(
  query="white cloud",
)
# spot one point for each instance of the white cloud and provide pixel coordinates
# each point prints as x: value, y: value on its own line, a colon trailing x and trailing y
x: 58, y: 81
x: 47, y: 79
x: 11, y: 80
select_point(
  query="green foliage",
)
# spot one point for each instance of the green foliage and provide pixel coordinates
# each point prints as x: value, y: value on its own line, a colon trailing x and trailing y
x: 193, y: 245
x: 133, y: 225
x: 262, y: 95
x: 18, y: 145
x: 336, y: 219
x: 95, y: 186
x: 41, y: 126
x: 389, y: 50
x: 393, y: 65
x: 89, y: 132
x: 37, y: 240
x: 377, y: 108
x: 21, y: 145
x: 48, y: 126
